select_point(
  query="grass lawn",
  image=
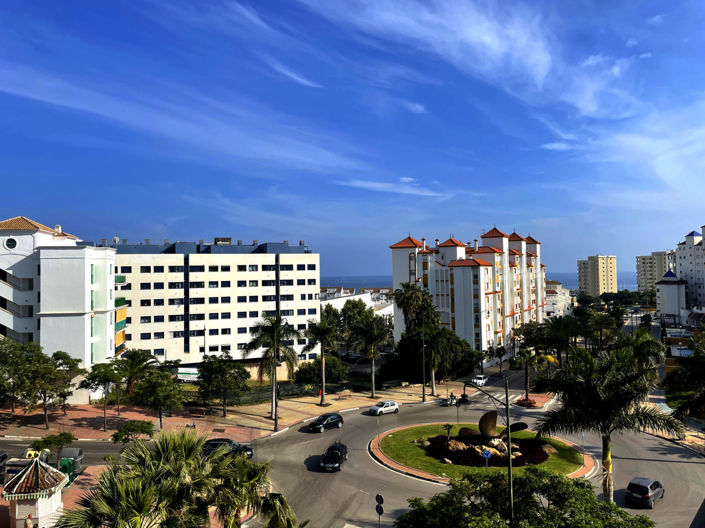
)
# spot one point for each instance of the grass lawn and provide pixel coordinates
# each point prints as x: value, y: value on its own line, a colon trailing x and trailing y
x: 398, y: 447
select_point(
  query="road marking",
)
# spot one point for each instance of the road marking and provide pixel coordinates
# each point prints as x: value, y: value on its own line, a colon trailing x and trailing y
x: 279, y: 432
x: 363, y: 491
x: 349, y: 526
x: 348, y: 410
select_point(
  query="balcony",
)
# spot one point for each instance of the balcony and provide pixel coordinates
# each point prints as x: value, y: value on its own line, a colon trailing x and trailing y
x: 120, y: 301
x: 120, y: 325
x: 120, y: 279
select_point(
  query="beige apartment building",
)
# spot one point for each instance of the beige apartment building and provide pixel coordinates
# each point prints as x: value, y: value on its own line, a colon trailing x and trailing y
x: 651, y: 268
x: 597, y: 275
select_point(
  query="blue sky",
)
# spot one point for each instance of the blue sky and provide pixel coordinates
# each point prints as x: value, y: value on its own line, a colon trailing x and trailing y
x: 582, y: 123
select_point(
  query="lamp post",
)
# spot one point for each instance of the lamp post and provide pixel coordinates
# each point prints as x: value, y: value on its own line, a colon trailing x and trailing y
x: 423, y: 360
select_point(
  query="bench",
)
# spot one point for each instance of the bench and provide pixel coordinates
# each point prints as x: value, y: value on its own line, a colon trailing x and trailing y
x: 197, y: 411
x: 343, y: 394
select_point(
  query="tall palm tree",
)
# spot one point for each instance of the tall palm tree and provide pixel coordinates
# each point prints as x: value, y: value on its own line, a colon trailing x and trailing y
x: 370, y: 333
x: 242, y: 491
x: 602, y: 323
x: 409, y: 298
x: 325, y: 332
x: 134, y: 365
x: 275, y: 338
x: 276, y: 507
x: 646, y: 349
x: 604, y: 394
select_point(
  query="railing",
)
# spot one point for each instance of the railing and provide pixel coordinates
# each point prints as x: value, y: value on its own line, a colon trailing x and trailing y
x: 120, y: 279
x: 120, y: 325
x: 120, y: 348
x: 120, y: 301
x: 16, y: 282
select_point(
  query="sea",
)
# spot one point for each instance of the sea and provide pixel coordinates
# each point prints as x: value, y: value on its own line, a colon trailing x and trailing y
x: 626, y: 280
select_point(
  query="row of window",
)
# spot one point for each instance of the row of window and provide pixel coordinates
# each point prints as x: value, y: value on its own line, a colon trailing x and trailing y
x: 224, y: 300
x: 240, y: 267
x: 222, y: 284
x: 226, y: 348
x: 147, y: 319
x: 146, y: 336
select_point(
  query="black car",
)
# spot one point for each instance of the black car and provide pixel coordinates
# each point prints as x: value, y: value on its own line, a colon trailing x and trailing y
x: 644, y: 491
x: 326, y: 421
x: 333, y: 458
x: 236, y: 448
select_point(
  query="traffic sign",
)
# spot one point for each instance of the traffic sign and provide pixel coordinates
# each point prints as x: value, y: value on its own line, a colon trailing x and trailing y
x: 379, y: 499
x: 380, y: 509
x: 486, y: 454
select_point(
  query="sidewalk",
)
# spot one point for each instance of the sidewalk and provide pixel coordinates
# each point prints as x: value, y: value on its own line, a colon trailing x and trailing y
x: 694, y: 429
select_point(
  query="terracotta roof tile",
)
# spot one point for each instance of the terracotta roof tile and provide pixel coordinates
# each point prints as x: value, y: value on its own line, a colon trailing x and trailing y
x: 408, y: 242
x: 531, y: 254
x: 531, y: 240
x: 494, y: 233
x: 35, y: 477
x: 515, y: 237
x: 22, y: 223
x: 515, y: 252
x: 551, y: 292
x: 451, y: 242
x: 483, y: 249
x: 468, y: 263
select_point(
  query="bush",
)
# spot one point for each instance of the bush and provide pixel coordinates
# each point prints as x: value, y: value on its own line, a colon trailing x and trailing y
x: 311, y: 372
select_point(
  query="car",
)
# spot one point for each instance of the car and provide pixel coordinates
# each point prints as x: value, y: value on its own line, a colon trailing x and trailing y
x: 239, y: 449
x: 326, y: 421
x: 384, y: 407
x: 333, y: 458
x: 644, y: 491
x: 479, y: 380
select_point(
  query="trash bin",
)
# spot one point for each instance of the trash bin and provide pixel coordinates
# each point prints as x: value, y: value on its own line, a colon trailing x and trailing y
x: 67, y: 466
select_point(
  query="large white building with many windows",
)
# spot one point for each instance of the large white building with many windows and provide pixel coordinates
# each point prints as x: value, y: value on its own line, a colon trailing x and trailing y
x: 187, y: 299
x: 56, y: 292
x: 483, y: 292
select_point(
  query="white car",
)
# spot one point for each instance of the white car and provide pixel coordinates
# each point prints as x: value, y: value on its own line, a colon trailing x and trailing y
x: 384, y: 407
x: 480, y: 380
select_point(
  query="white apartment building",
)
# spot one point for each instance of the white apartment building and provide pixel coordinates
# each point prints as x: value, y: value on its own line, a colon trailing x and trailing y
x: 690, y: 267
x: 597, y: 275
x: 55, y: 292
x: 187, y: 299
x: 482, y: 292
x: 558, y: 299
x: 651, y: 268
x: 671, y: 297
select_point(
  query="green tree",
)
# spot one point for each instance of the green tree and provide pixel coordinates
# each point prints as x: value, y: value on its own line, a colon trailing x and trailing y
x: 605, y: 394
x: 48, y: 379
x: 134, y: 365
x: 542, y: 499
x: 13, y: 369
x: 602, y: 323
x: 310, y: 372
x: 350, y: 315
x: 558, y: 333
x: 158, y: 390
x: 101, y: 376
x: 371, y: 333
x: 497, y: 352
x: 326, y: 333
x: 690, y: 377
x: 416, y: 305
x: 223, y: 379
x: 646, y: 321
x: 54, y: 443
x: 275, y: 338
x: 133, y: 430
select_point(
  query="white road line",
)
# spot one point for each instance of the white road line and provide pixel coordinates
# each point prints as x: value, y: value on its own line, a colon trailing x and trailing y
x: 348, y: 410
x: 279, y: 432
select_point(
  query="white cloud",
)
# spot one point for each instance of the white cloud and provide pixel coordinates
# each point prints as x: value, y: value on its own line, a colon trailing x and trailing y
x: 290, y: 74
x: 631, y: 42
x: 654, y: 20
x: 390, y: 187
x: 557, y: 145
x: 594, y: 60
x: 416, y: 108
x: 406, y: 179
x: 645, y: 56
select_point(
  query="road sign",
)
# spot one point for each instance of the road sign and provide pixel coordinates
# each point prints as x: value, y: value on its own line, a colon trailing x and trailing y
x: 379, y: 499
x: 486, y: 454
x: 380, y: 509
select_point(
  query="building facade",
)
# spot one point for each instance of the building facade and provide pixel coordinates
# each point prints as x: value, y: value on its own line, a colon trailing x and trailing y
x: 482, y: 292
x: 651, y: 268
x: 558, y: 299
x: 671, y: 296
x: 56, y: 292
x: 187, y: 299
x: 690, y: 267
x: 597, y: 275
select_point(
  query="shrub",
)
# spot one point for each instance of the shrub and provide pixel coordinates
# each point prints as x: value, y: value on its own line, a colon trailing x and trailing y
x: 311, y: 372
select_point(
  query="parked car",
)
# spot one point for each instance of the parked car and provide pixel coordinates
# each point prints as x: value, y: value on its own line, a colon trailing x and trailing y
x: 326, y: 421
x: 333, y: 458
x: 214, y: 443
x: 644, y: 491
x: 384, y: 407
x: 479, y: 380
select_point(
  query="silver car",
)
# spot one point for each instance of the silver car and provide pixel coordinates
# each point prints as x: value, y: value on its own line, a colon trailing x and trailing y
x: 384, y: 407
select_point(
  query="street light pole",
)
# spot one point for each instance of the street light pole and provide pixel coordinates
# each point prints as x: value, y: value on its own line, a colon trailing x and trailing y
x: 423, y: 362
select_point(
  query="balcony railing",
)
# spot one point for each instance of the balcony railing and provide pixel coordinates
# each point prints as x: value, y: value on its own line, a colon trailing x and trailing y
x: 120, y: 325
x: 120, y: 279
x: 120, y: 301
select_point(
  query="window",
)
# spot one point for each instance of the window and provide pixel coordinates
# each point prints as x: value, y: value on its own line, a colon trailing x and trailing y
x: 253, y: 298
x: 311, y: 311
x: 300, y: 341
x: 145, y: 335
x: 242, y: 330
x: 241, y: 346
x: 158, y: 335
x: 287, y: 297
x: 213, y: 331
x: 269, y: 313
x: 197, y: 268
x: 311, y: 267
x: 174, y: 318
x: 269, y: 267
x: 225, y: 315
x: 225, y: 348
x: 145, y: 285
x: 286, y: 267
x: 303, y: 296
x: 158, y: 269
x: 241, y: 315
x: 158, y: 318
x: 145, y: 269
x: 128, y: 320
x: 145, y: 319
x: 301, y: 327
x: 312, y: 355
x: 196, y: 284
x: 225, y: 284
x: 92, y: 273
x: 212, y: 316
x: 286, y: 282
x: 252, y: 267
x: 225, y: 268
x: 176, y: 269
x: 269, y: 283
x: 110, y: 268
x: 125, y: 269
x: 301, y: 282
x: 128, y: 337
x: 212, y: 284
x: 212, y: 268
x: 301, y: 311
x: 269, y: 298
x: 158, y: 302
x: 225, y: 299
x: 212, y: 300
x: 145, y: 302
x: 212, y: 348
x: 241, y: 267
x: 197, y: 317
x: 287, y: 312
x: 252, y: 284
x: 254, y: 314
x: 302, y: 356
x: 197, y: 300
x: 241, y: 284
x: 158, y: 285
x: 225, y: 331
x: 241, y: 298
x: 196, y: 333
x: 300, y: 267
x: 158, y: 352
x: 178, y: 333
x: 176, y: 285
x: 311, y: 282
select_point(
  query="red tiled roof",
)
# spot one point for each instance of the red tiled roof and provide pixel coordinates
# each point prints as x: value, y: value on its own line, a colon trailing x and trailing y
x: 408, y: 242
x: 22, y: 223
x: 36, y: 477
x: 551, y: 292
x: 451, y: 242
x: 483, y: 249
x: 552, y: 281
x: 531, y: 254
x: 427, y: 251
x: 515, y: 252
x: 494, y: 233
x: 531, y: 240
x: 543, y: 265
x: 515, y: 237
x: 512, y: 264
x: 468, y: 263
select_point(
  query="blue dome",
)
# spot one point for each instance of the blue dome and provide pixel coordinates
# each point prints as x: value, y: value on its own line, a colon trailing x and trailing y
x: 693, y: 233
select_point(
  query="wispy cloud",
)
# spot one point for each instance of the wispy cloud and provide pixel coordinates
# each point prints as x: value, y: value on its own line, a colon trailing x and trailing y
x: 558, y: 145
x: 594, y: 60
x: 631, y: 42
x: 655, y: 20
x: 399, y: 187
x: 290, y: 74
x: 416, y: 108
x: 645, y: 56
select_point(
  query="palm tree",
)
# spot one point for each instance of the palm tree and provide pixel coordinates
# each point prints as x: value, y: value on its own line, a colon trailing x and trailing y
x: 134, y: 365
x: 646, y: 349
x: 690, y: 376
x: 601, y: 323
x: 276, y: 338
x: 558, y: 334
x: 276, y: 507
x: 604, y: 394
x: 440, y: 346
x: 370, y: 333
x: 409, y: 298
x: 242, y: 491
x: 326, y: 333
x: 531, y: 360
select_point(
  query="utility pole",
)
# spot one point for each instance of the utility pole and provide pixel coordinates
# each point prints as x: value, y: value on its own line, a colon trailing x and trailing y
x: 423, y: 358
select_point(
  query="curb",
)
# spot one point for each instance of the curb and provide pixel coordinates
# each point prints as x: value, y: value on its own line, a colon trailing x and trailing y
x: 675, y: 441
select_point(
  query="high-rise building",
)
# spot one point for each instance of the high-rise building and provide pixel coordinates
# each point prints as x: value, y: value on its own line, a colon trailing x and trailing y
x: 56, y: 292
x: 690, y: 267
x: 651, y: 268
x: 597, y: 275
x: 187, y: 299
x: 483, y: 292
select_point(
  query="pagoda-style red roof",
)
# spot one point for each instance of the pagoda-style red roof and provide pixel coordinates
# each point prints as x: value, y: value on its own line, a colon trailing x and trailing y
x: 531, y: 240
x: 408, y: 242
x: 37, y: 480
x: 494, y: 233
x: 515, y: 237
x: 451, y: 242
